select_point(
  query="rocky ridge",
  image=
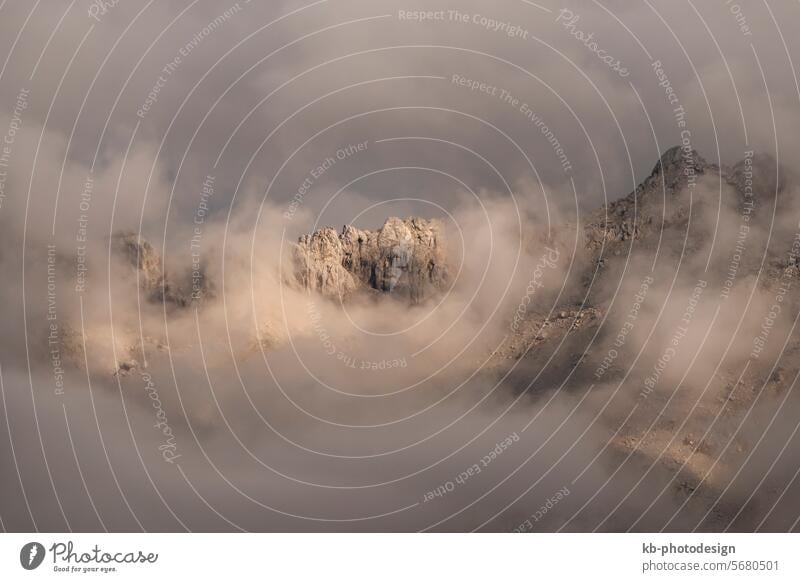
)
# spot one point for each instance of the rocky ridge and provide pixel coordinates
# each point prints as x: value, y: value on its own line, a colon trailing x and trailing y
x: 153, y: 278
x: 404, y: 257
x: 757, y: 176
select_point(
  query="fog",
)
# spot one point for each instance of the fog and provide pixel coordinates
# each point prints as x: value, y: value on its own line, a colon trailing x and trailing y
x: 658, y: 395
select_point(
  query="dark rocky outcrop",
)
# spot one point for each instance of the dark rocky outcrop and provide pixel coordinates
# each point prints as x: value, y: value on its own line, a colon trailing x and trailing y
x: 153, y: 278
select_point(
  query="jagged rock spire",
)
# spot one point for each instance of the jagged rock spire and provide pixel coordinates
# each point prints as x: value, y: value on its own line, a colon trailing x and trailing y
x: 402, y: 257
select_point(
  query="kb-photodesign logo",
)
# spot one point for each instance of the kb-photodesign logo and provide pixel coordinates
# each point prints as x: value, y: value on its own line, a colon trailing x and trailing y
x: 31, y: 555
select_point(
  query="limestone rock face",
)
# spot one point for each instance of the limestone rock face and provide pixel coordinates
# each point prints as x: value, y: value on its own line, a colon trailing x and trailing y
x: 405, y: 257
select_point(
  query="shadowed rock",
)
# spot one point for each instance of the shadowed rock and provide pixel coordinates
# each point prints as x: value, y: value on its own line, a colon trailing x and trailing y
x: 153, y: 279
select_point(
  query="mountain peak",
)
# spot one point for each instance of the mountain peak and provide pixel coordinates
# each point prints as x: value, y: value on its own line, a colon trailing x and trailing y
x: 404, y: 256
x: 679, y: 158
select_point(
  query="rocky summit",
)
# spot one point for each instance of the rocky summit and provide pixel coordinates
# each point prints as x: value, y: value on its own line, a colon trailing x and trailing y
x: 157, y: 286
x: 404, y: 257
